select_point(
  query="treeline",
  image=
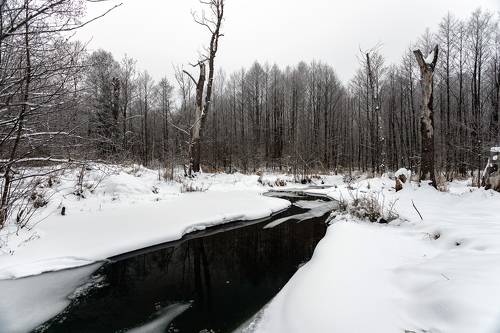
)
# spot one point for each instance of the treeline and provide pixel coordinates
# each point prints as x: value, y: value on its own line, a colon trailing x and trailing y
x: 59, y: 103
x: 303, y: 117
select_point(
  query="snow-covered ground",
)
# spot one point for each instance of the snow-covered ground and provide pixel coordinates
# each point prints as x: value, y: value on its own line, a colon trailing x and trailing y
x: 125, y: 209
x: 437, y: 275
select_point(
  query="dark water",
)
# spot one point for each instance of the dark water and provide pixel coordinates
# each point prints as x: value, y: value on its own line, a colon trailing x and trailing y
x: 215, y: 280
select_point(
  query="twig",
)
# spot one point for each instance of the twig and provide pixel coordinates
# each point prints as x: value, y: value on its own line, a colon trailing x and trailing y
x: 417, y: 210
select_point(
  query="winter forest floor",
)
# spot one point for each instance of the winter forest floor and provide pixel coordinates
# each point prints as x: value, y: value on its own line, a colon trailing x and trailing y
x: 439, y: 274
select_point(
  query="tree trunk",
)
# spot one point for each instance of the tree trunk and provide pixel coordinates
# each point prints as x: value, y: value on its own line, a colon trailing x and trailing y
x: 195, y: 147
x: 427, y: 167
x: 202, y: 108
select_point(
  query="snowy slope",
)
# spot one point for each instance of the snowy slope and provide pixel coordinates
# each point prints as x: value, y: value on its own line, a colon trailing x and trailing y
x: 436, y: 275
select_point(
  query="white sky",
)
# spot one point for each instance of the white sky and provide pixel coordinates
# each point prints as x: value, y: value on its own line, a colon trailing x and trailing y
x: 161, y: 33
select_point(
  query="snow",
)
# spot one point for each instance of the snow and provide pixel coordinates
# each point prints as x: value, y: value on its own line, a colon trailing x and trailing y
x: 403, y: 172
x: 436, y: 275
x: 24, y: 269
x: 23, y: 307
x: 309, y: 204
x: 125, y: 210
x: 430, y: 58
x: 115, y: 210
x: 165, y: 317
x: 316, y: 211
x: 495, y: 149
x: 329, y: 303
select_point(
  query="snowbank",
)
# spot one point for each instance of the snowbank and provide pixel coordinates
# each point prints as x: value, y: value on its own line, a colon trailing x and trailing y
x: 122, y: 211
x: 70, y: 241
x: 23, y: 307
x: 436, y: 275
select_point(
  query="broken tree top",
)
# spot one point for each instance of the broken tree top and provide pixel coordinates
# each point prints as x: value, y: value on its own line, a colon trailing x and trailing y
x: 495, y: 150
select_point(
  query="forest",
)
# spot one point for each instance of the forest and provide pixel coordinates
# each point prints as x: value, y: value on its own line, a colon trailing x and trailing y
x: 61, y: 103
x: 267, y: 197
x: 303, y: 117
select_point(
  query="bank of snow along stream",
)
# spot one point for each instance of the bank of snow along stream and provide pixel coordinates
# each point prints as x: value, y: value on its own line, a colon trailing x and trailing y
x: 208, y: 281
x: 436, y: 275
x: 122, y: 211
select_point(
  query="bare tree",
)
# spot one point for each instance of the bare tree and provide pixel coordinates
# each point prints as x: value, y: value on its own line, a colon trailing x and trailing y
x: 196, y: 128
x: 165, y: 91
x: 146, y: 85
x: 374, y: 69
x: 39, y: 73
x: 213, y: 24
x: 127, y: 79
x: 480, y: 33
x: 495, y: 94
x: 446, y: 38
x: 102, y: 92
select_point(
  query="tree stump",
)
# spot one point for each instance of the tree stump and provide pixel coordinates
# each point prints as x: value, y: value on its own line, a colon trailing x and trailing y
x: 400, y: 180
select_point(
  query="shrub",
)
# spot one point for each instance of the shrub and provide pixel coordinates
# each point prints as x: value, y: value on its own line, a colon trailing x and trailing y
x: 38, y: 199
x: 369, y: 207
x: 189, y: 186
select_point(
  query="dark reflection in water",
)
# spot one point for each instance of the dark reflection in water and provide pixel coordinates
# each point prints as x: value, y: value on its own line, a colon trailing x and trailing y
x: 228, y: 276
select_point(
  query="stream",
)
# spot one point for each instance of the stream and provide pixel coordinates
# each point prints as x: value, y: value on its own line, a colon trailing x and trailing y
x: 209, y: 281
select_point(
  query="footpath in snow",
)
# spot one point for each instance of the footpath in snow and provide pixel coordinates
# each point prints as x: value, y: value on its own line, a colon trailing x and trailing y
x: 438, y: 275
x: 125, y: 211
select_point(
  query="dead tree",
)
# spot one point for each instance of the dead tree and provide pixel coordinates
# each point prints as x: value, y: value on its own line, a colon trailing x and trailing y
x: 196, y: 128
x: 427, y: 67
x: 213, y: 25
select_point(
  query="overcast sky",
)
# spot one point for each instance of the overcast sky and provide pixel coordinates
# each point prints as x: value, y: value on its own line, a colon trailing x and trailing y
x: 161, y: 33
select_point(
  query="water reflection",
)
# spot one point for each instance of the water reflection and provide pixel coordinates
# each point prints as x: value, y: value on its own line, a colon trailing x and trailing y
x: 227, y: 277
